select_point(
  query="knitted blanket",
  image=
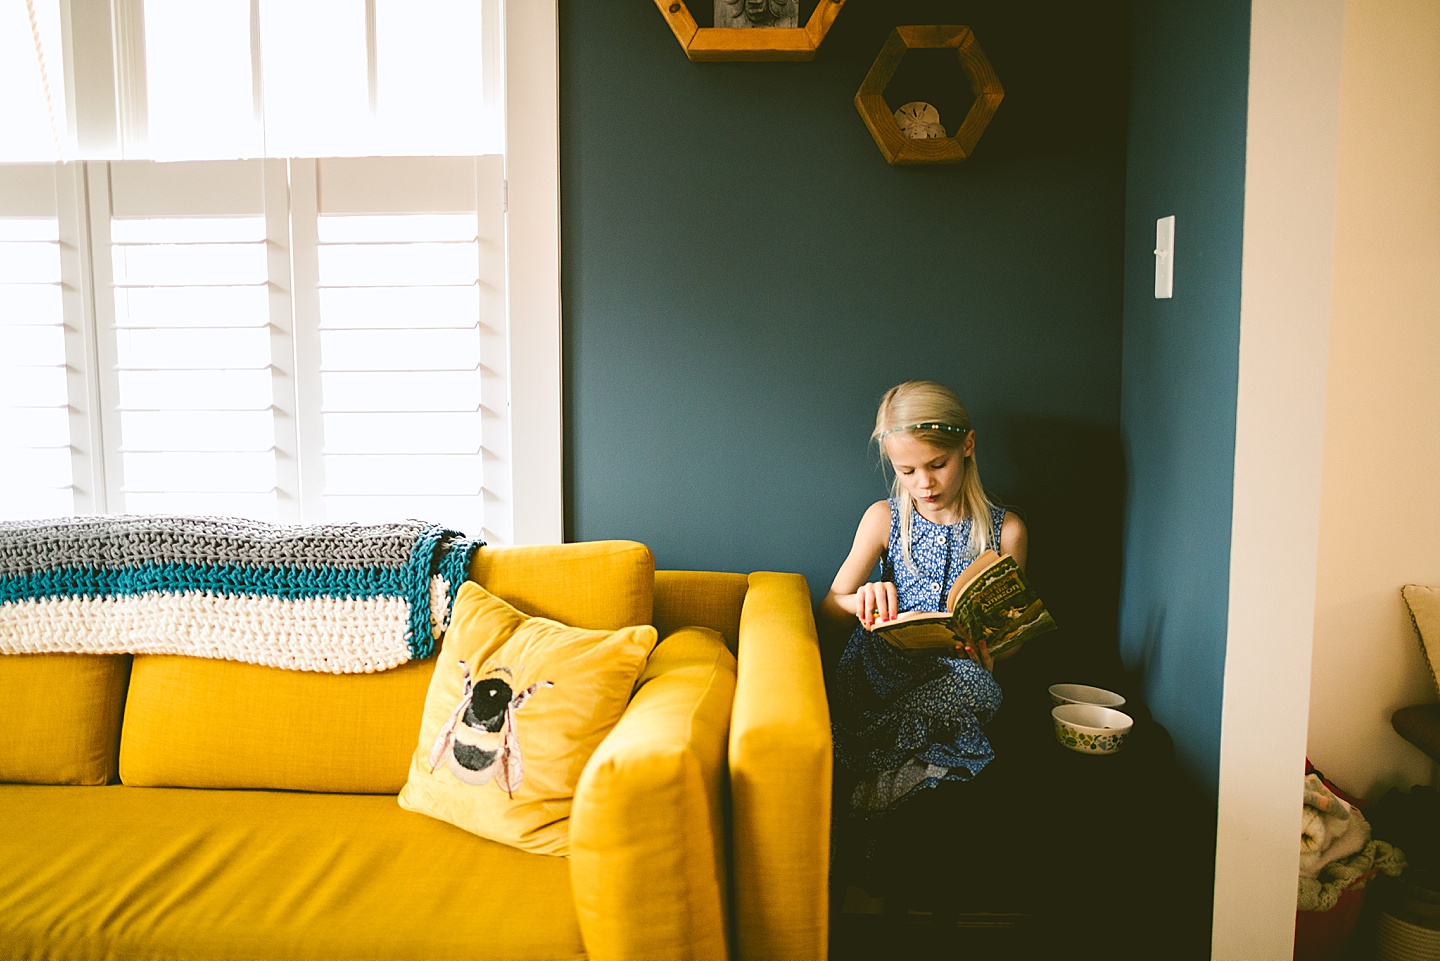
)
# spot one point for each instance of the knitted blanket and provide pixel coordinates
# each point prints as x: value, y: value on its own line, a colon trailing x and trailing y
x: 1322, y: 892
x: 336, y: 598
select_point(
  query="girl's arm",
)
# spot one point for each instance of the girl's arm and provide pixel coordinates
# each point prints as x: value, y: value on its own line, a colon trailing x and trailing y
x: 852, y: 594
x: 1014, y: 538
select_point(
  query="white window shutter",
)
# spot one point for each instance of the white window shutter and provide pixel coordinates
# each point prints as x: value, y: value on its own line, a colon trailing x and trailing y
x: 46, y: 446
x: 299, y: 340
x: 189, y: 378
x: 405, y: 282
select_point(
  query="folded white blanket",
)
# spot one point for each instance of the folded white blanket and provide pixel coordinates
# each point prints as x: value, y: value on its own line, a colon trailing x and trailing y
x: 1330, y: 828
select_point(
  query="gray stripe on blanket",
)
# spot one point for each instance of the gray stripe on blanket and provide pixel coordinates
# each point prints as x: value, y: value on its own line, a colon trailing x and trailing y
x: 113, y: 541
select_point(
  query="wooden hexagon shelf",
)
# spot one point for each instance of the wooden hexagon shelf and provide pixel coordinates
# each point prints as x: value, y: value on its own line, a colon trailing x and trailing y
x: 870, y: 100
x: 753, y: 43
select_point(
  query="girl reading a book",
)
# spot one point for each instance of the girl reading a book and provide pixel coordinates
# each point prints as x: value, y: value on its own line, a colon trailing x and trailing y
x: 904, y: 724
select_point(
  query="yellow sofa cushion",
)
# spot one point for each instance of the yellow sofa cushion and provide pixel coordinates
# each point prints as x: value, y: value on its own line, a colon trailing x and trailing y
x: 183, y: 875
x: 516, y: 707
x: 601, y: 585
x: 647, y: 832
x: 700, y: 599
x: 60, y: 717
x: 198, y: 722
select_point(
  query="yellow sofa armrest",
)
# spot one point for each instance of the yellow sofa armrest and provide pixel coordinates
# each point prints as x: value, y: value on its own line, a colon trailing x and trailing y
x: 780, y: 770
x: 647, y: 828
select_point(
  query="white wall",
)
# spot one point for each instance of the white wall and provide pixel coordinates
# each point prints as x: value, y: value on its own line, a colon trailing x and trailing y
x: 1290, y: 164
x: 1380, y: 493
x: 1340, y: 313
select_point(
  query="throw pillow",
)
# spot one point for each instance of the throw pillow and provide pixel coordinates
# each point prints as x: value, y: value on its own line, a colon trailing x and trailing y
x: 1424, y: 604
x: 515, y: 708
x: 60, y: 717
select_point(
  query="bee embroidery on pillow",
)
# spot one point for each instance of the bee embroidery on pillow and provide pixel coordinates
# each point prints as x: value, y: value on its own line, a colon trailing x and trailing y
x: 479, y: 740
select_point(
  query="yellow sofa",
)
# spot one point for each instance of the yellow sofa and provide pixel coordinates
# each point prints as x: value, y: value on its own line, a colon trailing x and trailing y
x: 163, y: 807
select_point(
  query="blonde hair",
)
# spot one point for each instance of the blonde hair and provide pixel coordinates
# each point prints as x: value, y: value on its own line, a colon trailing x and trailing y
x: 931, y: 412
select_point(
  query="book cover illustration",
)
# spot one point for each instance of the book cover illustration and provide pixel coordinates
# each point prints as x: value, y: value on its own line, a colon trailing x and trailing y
x: 992, y: 601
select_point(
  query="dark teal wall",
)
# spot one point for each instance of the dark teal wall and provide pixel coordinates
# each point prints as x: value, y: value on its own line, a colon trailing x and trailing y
x: 743, y: 276
x: 1187, y: 158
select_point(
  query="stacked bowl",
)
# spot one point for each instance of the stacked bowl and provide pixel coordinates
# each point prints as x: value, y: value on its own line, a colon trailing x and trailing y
x: 1087, y: 719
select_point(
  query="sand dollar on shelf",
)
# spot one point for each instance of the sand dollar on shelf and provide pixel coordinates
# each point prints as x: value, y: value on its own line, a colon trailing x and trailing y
x: 919, y: 120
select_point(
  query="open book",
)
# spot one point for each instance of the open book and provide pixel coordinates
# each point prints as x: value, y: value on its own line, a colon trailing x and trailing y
x: 991, y: 601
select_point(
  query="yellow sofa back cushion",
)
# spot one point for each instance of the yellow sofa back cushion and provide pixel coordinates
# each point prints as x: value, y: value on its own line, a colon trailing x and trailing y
x: 196, y: 722
x: 595, y: 585
x: 700, y: 599
x: 60, y: 717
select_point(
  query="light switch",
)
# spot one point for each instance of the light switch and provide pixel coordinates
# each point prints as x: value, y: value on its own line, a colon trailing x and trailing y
x: 1165, y: 257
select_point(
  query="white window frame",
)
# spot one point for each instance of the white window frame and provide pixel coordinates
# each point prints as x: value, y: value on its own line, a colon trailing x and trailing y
x: 529, y: 32
x: 532, y: 170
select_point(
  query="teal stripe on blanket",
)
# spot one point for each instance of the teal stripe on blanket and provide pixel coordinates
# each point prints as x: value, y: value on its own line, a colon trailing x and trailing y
x: 222, y: 579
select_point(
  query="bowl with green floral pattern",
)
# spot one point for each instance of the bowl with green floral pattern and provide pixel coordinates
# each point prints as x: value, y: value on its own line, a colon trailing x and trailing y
x: 1090, y: 728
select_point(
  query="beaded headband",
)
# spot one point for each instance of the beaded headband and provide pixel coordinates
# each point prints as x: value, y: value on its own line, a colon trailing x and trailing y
x: 926, y: 426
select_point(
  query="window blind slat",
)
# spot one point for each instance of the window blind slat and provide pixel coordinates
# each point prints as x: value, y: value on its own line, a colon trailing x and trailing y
x: 189, y: 265
x: 197, y: 349
x: 33, y: 387
x: 29, y: 262
x: 217, y: 306
x: 200, y: 472
x: 400, y: 350
x: 29, y: 303
x: 456, y: 511
x: 36, y: 344
x: 397, y: 265
x: 40, y: 467
x: 358, y: 307
x: 262, y: 506
x: 22, y: 427
x: 443, y: 432
x: 390, y: 474
x: 198, y: 430
x: 194, y: 390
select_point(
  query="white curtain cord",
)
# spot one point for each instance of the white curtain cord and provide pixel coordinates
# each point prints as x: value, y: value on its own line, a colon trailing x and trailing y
x: 44, y: 78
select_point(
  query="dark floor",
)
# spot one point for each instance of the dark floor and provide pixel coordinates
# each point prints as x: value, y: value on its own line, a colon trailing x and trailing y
x: 973, y: 938
x: 1124, y: 932
x: 1055, y: 855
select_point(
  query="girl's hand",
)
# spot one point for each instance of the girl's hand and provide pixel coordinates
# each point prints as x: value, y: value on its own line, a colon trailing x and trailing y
x: 979, y: 652
x: 876, y: 602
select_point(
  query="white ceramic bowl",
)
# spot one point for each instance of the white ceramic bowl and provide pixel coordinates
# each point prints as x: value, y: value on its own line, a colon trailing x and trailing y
x: 1084, y: 694
x: 1090, y: 728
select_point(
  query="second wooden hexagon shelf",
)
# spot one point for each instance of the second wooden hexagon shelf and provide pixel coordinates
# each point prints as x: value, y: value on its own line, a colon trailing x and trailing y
x: 749, y: 43
x: 984, y: 85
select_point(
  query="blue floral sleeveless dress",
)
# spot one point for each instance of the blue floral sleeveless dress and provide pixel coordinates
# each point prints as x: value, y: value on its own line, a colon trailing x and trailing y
x: 902, y: 723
